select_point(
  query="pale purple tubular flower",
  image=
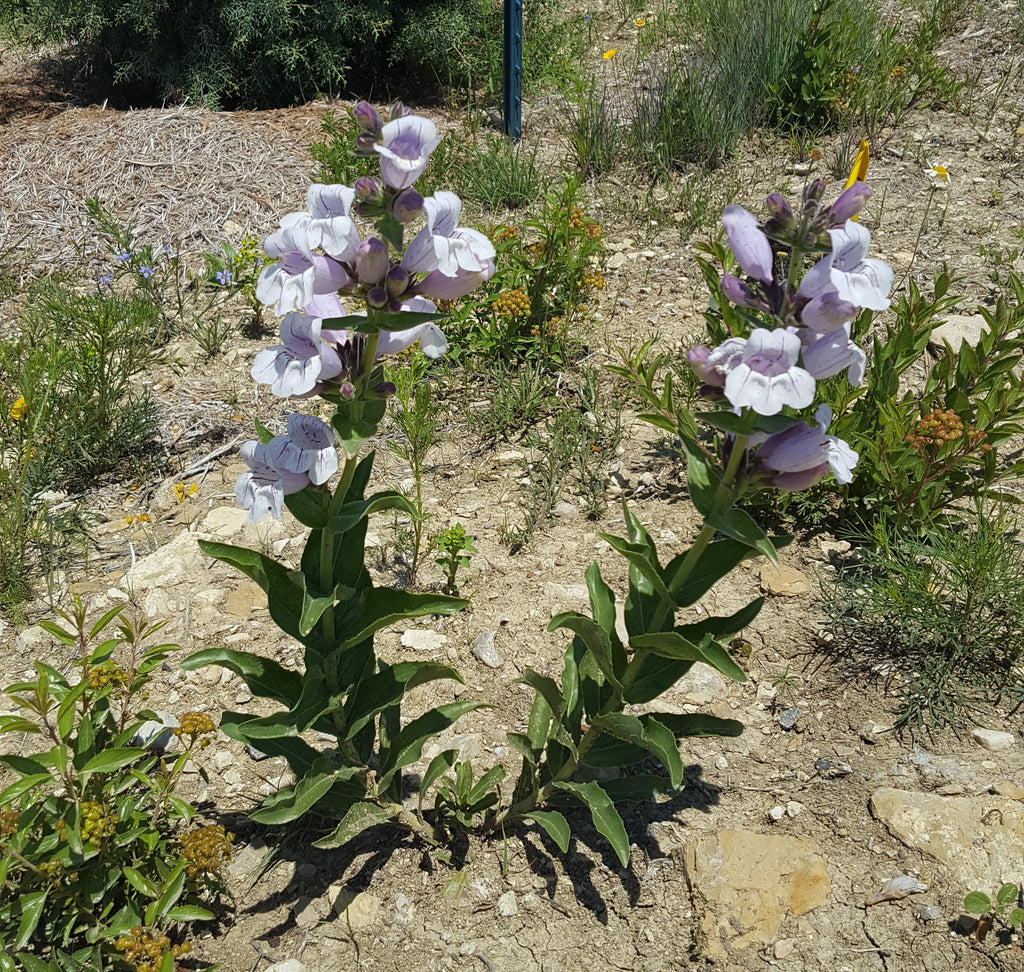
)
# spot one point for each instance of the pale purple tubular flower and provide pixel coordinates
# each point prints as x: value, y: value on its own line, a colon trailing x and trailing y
x: 407, y: 206
x: 293, y: 368
x: 432, y: 341
x: 405, y: 150
x: 827, y: 354
x: 849, y: 203
x: 826, y: 312
x: 310, y: 448
x: 298, y: 274
x: 749, y: 245
x: 263, y: 488
x: 802, y: 456
x: 855, y: 277
x: 330, y: 225
x: 721, y: 360
x: 766, y: 378
x: 442, y: 287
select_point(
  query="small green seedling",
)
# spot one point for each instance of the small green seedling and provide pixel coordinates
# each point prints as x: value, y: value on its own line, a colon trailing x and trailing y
x: 1003, y: 909
x: 454, y: 546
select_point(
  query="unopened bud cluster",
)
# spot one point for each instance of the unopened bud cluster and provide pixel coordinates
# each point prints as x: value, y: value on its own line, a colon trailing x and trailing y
x: 206, y: 849
x: 195, y: 724
x: 144, y: 948
x: 96, y: 824
x: 512, y: 303
x: 103, y: 675
x: 938, y: 427
x: 8, y: 822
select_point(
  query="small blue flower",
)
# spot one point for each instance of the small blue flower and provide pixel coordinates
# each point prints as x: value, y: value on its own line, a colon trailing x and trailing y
x: 106, y: 280
x: 224, y: 277
x: 123, y: 257
x: 146, y: 272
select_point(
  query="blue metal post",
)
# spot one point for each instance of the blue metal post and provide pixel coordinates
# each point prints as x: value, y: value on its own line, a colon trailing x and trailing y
x: 512, y: 90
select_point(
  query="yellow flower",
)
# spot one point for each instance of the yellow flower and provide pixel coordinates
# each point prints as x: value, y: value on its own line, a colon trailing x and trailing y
x: 938, y: 174
x: 859, y: 171
x: 639, y: 21
x: 19, y: 408
x: 608, y: 55
x: 181, y: 490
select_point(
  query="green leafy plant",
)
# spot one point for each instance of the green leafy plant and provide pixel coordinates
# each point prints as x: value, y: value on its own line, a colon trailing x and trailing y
x: 101, y: 861
x: 939, y: 618
x: 454, y: 547
x: 416, y: 418
x: 1003, y: 908
x: 502, y: 175
x: 548, y: 266
x: 924, y: 451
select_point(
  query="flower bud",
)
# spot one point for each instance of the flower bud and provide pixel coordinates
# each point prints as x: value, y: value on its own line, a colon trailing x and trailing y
x: 849, y: 204
x: 407, y: 205
x: 371, y: 260
x: 780, y: 210
x: 740, y: 293
x: 398, y: 110
x: 377, y: 297
x: 397, y: 281
x: 368, y: 189
x: 347, y: 391
x: 794, y: 482
x: 384, y: 390
x: 368, y: 118
x: 395, y: 306
x: 365, y: 142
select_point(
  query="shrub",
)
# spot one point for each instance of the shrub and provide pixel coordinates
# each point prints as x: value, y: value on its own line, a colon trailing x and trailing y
x: 266, y: 53
x: 101, y: 862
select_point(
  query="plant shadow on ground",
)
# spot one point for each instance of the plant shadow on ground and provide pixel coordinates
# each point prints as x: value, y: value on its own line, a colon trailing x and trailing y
x: 376, y: 846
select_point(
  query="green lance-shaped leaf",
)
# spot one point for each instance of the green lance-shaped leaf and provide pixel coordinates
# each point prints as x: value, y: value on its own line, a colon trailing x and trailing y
x: 408, y: 744
x: 485, y: 785
x: 284, y: 597
x: 310, y: 506
x: 379, y: 607
x: 171, y: 890
x: 439, y: 765
x: 606, y: 819
x: 597, y: 640
x: 721, y: 627
x: 264, y: 677
x: 554, y: 825
x: 739, y: 525
x: 110, y: 760
x: 382, y: 321
x: 140, y: 882
x: 698, y: 724
x: 29, y: 908
x: 646, y: 733
x: 702, y: 477
x: 24, y: 765
x: 359, y: 817
x: 718, y: 559
x: 639, y: 557
x: 637, y: 789
x: 671, y: 644
x: 293, y: 801
x: 351, y: 513
x: 352, y: 434
x: 300, y: 755
x: 388, y: 687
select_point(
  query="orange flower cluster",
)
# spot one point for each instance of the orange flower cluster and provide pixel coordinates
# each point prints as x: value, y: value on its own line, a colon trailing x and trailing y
x: 938, y: 427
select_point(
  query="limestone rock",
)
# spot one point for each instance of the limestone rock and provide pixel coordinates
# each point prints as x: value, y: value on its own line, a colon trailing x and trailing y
x: 356, y: 912
x: 979, y: 839
x: 958, y: 328
x: 484, y: 650
x: 992, y: 739
x: 747, y: 883
x: 784, y: 580
x: 422, y: 639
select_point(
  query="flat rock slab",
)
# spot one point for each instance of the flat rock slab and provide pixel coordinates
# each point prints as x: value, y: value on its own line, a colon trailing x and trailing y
x: 980, y: 840
x: 747, y: 883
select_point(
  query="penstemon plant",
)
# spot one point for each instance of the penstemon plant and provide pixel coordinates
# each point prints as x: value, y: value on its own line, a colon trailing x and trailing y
x: 806, y: 277
x: 320, y: 259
